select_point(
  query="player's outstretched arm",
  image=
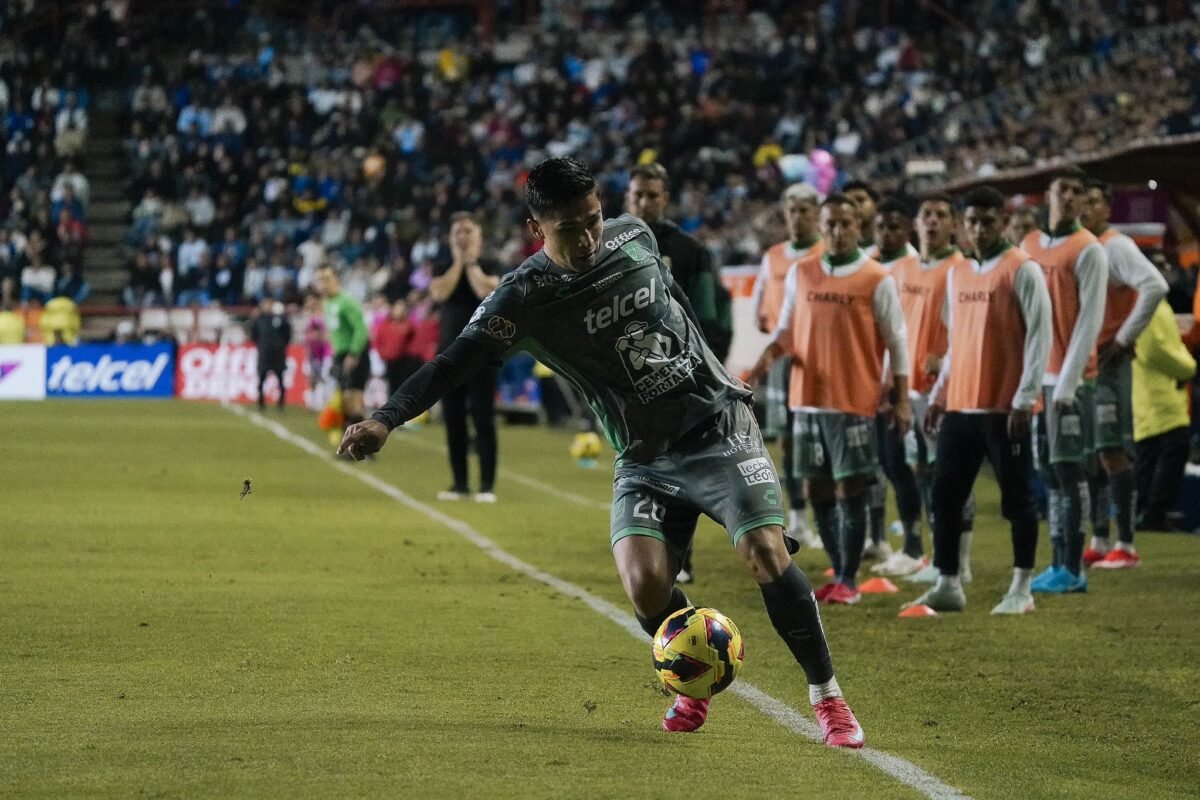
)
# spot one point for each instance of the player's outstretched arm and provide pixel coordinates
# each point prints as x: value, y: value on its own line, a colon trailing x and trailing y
x: 454, y: 367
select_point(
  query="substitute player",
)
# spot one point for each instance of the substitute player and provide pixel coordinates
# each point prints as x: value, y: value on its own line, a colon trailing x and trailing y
x: 350, y: 338
x: 598, y: 306
x: 801, y: 203
x: 1135, y: 289
x: 1077, y: 279
x: 999, y: 321
x: 921, y: 283
x: 839, y: 316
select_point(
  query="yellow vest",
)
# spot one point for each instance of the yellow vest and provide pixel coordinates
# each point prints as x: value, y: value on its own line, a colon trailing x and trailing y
x: 1159, y: 405
x: 12, y: 328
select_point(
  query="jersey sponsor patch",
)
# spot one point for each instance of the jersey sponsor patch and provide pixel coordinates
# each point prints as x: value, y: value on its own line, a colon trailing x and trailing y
x: 1069, y: 425
x: 646, y: 480
x: 655, y: 359
x: 742, y: 443
x: 756, y: 470
x: 858, y: 435
x: 636, y: 253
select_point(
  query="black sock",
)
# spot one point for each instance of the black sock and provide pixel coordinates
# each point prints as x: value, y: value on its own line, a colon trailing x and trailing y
x: 878, y: 505
x: 1101, y: 503
x: 793, y: 611
x: 1123, y: 488
x: 854, y: 536
x: 825, y: 515
x: 651, y: 624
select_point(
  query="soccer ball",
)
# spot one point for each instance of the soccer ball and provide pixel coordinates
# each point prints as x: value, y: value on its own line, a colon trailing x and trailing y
x: 698, y: 652
x: 586, y: 448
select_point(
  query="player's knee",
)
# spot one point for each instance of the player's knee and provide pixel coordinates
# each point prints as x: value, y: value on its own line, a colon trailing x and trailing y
x: 853, y: 487
x: 647, y: 587
x: 820, y: 493
x: 1115, y: 461
x: 764, y: 553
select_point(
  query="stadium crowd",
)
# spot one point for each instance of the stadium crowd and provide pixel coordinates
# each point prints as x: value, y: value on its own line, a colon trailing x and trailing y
x: 253, y: 161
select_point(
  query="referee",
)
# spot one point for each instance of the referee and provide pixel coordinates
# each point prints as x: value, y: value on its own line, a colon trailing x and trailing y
x: 349, y: 336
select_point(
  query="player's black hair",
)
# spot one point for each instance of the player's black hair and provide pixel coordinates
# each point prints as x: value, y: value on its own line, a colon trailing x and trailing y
x: 984, y: 197
x: 1069, y: 172
x: 1104, y: 187
x: 939, y: 197
x: 839, y: 199
x: 894, y: 205
x: 650, y: 172
x: 556, y: 183
x: 866, y: 187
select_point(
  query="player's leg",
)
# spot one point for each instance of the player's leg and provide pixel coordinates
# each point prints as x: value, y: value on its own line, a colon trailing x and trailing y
x: 1012, y: 463
x: 959, y: 457
x: 454, y: 417
x: 1067, y: 480
x: 853, y: 460
x: 743, y: 492
x: 1114, y: 443
x: 811, y: 466
x: 262, y: 382
x: 797, y: 524
x: 876, y: 545
x: 903, y: 454
x: 481, y: 391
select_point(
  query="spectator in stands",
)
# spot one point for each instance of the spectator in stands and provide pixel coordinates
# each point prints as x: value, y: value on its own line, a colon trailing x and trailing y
x: 73, y: 285
x: 1180, y: 285
x: 392, y: 339
x: 459, y: 286
x: 71, y: 127
x: 71, y: 178
x: 37, y: 279
x: 1162, y: 368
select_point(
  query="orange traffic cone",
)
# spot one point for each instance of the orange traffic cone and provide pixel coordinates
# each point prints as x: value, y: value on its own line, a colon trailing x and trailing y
x: 828, y: 572
x: 878, y: 586
x: 921, y: 611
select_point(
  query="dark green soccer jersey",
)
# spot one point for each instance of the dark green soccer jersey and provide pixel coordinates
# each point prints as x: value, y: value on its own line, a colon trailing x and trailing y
x: 617, y: 334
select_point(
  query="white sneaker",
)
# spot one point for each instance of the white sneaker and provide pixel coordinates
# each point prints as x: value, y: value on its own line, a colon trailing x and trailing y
x: 942, y: 597
x: 1014, y: 604
x: 881, y: 551
x: 899, y: 564
x: 449, y: 495
x: 805, y: 536
x: 928, y: 574
x: 485, y: 497
x: 964, y: 572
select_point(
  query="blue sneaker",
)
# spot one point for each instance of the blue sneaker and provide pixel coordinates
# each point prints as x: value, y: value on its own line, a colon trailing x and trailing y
x: 1048, y: 580
x: 1077, y: 584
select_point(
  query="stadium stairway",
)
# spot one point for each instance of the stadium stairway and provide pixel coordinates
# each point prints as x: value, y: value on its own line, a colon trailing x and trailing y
x: 108, y: 210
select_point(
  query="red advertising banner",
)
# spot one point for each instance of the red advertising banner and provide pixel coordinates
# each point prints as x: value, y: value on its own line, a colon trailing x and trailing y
x: 230, y: 372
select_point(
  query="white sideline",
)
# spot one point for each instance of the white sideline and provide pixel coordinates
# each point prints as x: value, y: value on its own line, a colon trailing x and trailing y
x: 903, y: 771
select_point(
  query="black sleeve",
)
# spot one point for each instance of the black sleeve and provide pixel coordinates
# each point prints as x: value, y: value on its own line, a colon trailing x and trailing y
x: 453, y: 367
x: 681, y: 298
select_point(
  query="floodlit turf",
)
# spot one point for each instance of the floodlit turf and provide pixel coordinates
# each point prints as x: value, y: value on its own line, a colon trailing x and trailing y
x: 160, y: 637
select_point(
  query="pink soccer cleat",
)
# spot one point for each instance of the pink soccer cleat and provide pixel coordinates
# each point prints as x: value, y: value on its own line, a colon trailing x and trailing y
x: 686, y: 714
x: 838, y: 724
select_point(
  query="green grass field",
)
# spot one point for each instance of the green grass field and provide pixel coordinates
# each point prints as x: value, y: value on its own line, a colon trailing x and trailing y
x: 161, y: 638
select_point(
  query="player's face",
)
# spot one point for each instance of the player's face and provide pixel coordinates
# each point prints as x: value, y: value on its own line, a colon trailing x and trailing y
x: 866, y: 206
x: 572, y: 234
x: 891, y: 231
x: 1096, y: 210
x: 1065, y: 199
x: 801, y: 218
x: 1019, y: 225
x: 646, y: 198
x: 984, y: 227
x: 935, y: 225
x: 840, y: 228
x: 326, y: 283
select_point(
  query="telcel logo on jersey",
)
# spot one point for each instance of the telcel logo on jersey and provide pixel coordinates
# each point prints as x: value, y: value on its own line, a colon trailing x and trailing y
x: 597, y: 319
x: 110, y: 371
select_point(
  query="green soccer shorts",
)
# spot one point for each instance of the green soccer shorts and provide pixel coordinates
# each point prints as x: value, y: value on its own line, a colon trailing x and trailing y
x: 834, y: 445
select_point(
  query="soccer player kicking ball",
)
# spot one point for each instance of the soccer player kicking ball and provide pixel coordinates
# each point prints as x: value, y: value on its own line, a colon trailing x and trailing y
x: 1077, y: 278
x: 598, y: 306
x: 1135, y: 289
x: 801, y: 204
x: 838, y: 316
x: 921, y: 283
x: 998, y: 319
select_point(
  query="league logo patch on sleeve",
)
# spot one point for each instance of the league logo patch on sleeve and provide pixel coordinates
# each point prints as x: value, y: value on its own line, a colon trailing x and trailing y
x: 637, y: 253
x: 500, y: 328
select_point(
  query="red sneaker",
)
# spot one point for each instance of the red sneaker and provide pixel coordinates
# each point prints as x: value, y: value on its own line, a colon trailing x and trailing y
x: 1118, y: 559
x: 686, y: 714
x: 843, y: 595
x: 838, y: 724
x: 824, y: 591
x: 1092, y: 555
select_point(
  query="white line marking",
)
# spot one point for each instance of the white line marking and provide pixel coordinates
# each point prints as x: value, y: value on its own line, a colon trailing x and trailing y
x: 517, y: 477
x: 903, y: 771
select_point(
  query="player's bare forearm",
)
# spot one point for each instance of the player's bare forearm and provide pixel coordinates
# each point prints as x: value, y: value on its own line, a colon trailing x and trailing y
x: 902, y: 414
x: 765, y: 362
